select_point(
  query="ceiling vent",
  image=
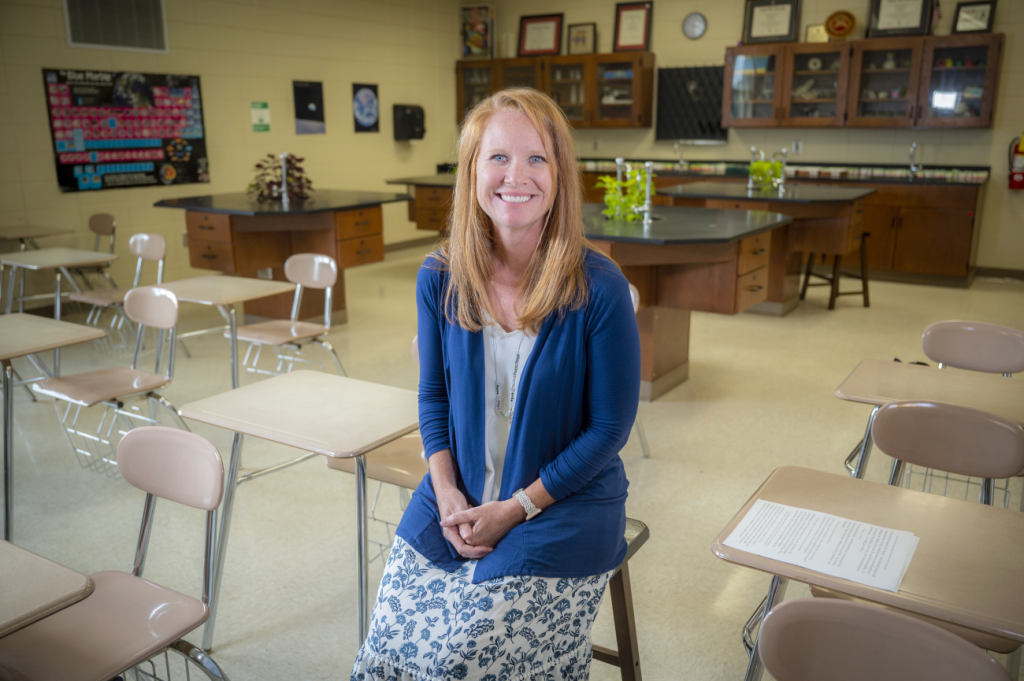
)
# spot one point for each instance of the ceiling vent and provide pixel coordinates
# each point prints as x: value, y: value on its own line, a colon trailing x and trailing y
x: 116, y: 24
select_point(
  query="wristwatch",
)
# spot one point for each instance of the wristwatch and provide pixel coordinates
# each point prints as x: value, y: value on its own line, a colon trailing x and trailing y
x: 531, y: 510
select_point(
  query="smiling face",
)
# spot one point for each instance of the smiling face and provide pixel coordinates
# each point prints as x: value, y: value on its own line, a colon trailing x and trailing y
x: 514, y: 183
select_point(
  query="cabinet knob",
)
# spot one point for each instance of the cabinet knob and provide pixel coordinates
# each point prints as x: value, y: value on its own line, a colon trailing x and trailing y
x: 755, y: 289
x: 760, y: 251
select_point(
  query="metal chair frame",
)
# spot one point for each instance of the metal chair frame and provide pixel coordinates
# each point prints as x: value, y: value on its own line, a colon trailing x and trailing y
x: 107, y: 433
x: 101, y: 270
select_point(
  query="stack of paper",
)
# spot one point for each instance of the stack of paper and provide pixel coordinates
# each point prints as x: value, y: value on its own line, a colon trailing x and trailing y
x: 862, y: 553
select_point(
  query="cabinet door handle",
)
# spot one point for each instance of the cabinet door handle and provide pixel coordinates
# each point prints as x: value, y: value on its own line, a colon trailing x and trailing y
x: 206, y: 227
x: 365, y: 251
x: 208, y: 256
x: 755, y: 289
x: 364, y: 223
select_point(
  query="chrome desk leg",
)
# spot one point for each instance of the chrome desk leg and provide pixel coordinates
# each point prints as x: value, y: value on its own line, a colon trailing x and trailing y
x: 56, y: 315
x: 230, y: 484
x: 10, y: 291
x: 865, y: 448
x: 228, y: 312
x: 8, y: 447
x: 21, y: 291
x: 1013, y: 664
x: 362, y: 597
x: 775, y: 593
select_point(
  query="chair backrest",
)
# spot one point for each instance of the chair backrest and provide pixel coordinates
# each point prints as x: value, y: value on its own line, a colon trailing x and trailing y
x: 172, y: 464
x: 950, y: 438
x: 178, y: 466
x: 975, y: 345
x: 147, y: 246
x: 152, y: 306
x: 102, y: 224
x: 809, y: 639
x: 311, y: 270
x: 634, y: 294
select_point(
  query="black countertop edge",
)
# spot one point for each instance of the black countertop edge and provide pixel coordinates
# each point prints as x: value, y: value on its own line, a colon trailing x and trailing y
x: 798, y: 164
x: 812, y: 193
x: 274, y: 208
x: 686, y: 220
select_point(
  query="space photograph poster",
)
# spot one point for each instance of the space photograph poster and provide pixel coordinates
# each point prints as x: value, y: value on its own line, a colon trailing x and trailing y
x: 115, y: 129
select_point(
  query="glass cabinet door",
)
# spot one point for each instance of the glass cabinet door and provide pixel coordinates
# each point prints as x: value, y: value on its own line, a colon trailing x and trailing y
x: 751, y: 88
x: 616, y: 84
x: 814, y: 90
x: 475, y: 85
x: 568, y: 88
x: 959, y: 76
x: 884, y: 83
x: 519, y: 76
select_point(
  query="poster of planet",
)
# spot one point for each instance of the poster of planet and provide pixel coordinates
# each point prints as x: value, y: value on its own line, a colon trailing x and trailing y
x: 365, y: 108
x: 112, y: 129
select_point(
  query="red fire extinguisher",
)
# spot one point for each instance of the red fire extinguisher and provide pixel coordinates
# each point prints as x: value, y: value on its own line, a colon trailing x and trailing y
x: 1017, y: 163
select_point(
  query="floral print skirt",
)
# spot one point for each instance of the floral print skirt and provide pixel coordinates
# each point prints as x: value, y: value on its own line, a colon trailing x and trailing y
x: 432, y: 624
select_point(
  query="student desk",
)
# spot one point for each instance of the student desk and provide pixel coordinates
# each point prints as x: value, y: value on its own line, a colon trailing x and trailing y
x: 20, y: 335
x: 224, y: 292
x: 324, y: 414
x: 879, y: 382
x: 35, y: 587
x: 57, y: 259
x: 956, y: 575
x: 26, y: 236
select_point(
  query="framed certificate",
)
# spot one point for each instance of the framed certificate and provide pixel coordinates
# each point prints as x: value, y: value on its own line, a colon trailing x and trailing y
x: 582, y: 38
x: 771, y: 21
x: 540, y: 35
x: 974, y: 17
x: 900, y: 17
x: 632, y: 26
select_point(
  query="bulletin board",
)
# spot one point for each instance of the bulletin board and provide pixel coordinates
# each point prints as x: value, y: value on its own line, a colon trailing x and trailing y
x: 112, y: 129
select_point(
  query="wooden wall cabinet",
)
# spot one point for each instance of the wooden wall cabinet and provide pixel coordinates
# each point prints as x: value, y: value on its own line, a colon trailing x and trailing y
x: 928, y: 82
x: 595, y: 90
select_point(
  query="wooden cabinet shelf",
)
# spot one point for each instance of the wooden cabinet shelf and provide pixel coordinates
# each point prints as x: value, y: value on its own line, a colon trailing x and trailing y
x: 578, y: 83
x: 932, y: 82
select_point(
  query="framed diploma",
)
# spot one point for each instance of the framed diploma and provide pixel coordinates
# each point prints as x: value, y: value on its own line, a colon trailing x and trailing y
x: 974, y: 17
x: 540, y: 35
x: 771, y: 21
x: 900, y: 17
x: 632, y: 26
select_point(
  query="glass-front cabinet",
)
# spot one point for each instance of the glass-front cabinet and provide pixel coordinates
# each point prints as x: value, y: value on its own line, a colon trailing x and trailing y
x: 475, y: 82
x: 814, y: 85
x: 883, y: 82
x: 752, y: 91
x: 958, y: 80
x: 522, y: 72
x: 623, y: 90
x: 568, y: 86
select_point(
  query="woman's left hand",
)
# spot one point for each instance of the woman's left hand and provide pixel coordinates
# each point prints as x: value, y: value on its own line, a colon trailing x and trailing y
x: 485, y: 525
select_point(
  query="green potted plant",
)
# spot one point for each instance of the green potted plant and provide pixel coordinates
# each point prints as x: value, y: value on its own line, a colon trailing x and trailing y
x: 625, y: 199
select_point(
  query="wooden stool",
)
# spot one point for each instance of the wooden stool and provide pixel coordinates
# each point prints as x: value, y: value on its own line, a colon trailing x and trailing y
x: 833, y: 281
x: 400, y: 463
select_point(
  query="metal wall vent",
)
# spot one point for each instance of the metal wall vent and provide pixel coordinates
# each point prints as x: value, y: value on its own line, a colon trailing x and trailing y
x: 116, y: 24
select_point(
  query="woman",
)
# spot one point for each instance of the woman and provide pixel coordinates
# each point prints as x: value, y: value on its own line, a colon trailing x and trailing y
x: 529, y: 382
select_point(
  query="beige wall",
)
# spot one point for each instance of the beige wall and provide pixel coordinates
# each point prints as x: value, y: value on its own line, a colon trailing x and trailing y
x: 243, y: 51
x: 1002, y: 232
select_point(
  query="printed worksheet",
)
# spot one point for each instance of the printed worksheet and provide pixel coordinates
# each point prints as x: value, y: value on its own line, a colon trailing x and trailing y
x: 862, y: 553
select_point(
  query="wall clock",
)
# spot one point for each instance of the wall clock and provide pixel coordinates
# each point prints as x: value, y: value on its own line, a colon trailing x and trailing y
x: 694, y: 25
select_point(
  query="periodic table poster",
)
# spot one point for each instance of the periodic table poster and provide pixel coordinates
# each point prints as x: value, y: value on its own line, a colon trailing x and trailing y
x: 114, y: 130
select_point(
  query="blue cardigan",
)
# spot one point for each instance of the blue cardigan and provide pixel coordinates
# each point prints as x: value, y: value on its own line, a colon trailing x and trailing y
x: 575, y: 406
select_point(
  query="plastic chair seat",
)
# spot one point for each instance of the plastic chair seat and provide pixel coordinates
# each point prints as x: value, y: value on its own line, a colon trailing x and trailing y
x: 97, y: 386
x: 278, y: 332
x: 123, y: 622
x: 103, y: 297
x: 979, y: 638
x: 399, y: 462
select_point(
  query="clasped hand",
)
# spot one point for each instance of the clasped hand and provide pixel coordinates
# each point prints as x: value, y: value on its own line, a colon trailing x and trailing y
x: 475, y: 531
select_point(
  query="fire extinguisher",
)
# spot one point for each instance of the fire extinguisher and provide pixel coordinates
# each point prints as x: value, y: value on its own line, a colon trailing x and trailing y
x: 1017, y: 163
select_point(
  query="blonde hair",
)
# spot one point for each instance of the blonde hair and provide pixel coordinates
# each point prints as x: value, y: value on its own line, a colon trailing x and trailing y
x: 554, y: 280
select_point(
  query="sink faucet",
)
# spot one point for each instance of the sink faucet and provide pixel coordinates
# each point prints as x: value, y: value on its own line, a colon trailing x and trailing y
x: 913, y: 155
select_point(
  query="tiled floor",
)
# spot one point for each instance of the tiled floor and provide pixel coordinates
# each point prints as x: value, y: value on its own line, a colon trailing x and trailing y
x: 759, y: 396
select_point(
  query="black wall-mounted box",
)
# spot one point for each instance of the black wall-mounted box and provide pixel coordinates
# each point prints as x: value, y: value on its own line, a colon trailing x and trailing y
x: 408, y: 122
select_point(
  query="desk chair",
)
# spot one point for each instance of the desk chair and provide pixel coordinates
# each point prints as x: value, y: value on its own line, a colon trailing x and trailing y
x: 146, y: 306
x: 974, y: 346
x: 808, y: 640
x: 305, y: 270
x: 958, y: 440
x: 634, y: 294
x: 150, y: 247
x: 837, y: 274
x: 102, y: 225
x: 128, y: 620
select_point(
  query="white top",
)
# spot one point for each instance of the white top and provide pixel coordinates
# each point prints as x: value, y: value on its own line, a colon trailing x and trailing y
x: 496, y: 427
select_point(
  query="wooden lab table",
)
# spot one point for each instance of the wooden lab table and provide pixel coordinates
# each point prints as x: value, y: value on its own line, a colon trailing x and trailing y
x: 879, y: 382
x: 224, y: 292
x: 57, y: 259
x: 686, y: 259
x: 35, y: 587
x: 432, y: 199
x: 234, y: 234
x: 323, y: 414
x: 20, y: 335
x: 826, y: 219
x: 967, y: 569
